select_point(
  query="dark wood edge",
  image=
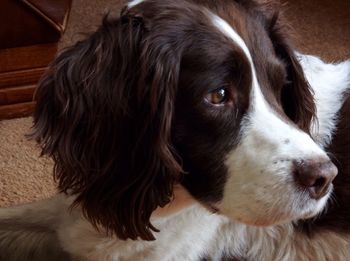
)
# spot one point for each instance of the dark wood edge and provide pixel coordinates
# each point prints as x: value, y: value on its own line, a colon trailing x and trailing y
x: 17, y: 95
x: 22, y: 58
x: 16, y: 110
x: 21, y: 77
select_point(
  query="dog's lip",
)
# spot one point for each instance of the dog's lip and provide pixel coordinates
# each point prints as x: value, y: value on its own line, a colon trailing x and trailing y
x: 284, y: 217
x: 308, y: 215
x: 266, y: 222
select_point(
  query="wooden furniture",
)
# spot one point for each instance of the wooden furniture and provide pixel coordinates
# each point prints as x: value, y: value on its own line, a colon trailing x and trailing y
x: 29, y: 35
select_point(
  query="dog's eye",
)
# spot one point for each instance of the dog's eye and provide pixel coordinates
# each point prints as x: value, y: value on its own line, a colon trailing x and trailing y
x: 218, y: 97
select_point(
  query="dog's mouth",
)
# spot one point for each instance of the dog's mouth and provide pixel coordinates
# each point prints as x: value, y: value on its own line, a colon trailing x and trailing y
x: 297, y: 206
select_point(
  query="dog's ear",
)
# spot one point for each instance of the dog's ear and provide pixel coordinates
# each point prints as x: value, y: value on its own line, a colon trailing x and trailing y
x: 104, y: 113
x: 296, y: 96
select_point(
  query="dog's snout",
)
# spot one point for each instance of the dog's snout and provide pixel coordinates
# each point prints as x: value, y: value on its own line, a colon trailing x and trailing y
x: 315, y: 176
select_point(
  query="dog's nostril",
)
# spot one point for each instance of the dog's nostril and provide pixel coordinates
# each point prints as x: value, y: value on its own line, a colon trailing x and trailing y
x: 315, y: 176
x: 320, y: 182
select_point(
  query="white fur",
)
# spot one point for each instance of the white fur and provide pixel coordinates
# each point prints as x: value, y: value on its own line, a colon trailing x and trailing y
x: 182, y: 237
x: 330, y: 82
x: 134, y: 3
x: 254, y: 173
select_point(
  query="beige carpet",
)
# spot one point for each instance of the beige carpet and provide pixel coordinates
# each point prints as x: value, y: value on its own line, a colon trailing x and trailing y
x: 322, y: 27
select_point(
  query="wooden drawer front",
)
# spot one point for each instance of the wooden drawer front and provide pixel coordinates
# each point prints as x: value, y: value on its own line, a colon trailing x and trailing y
x: 16, y: 110
x: 20, y: 77
x: 20, y: 70
x: 16, y: 95
x: 29, y: 57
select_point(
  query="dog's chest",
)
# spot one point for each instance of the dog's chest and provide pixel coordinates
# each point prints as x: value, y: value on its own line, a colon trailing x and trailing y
x: 188, y: 235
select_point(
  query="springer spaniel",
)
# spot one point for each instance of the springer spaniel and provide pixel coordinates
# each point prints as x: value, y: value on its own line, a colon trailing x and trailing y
x: 190, y: 130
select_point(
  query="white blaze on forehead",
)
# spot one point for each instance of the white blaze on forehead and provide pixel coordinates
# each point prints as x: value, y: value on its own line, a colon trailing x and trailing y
x: 134, y: 2
x: 227, y: 30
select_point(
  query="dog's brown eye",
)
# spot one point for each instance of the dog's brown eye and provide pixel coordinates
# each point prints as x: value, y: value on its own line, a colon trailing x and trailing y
x: 218, y: 97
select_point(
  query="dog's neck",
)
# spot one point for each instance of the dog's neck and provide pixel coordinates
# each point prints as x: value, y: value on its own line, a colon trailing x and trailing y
x: 181, y: 200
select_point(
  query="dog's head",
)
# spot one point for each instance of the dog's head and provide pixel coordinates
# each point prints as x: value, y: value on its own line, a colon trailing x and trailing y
x: 208, y: 94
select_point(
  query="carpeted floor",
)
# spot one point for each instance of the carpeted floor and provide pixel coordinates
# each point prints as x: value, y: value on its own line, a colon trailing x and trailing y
x: 322, y: 27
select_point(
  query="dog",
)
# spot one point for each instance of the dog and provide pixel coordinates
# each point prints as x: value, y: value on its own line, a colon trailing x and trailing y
x: 190, y: 130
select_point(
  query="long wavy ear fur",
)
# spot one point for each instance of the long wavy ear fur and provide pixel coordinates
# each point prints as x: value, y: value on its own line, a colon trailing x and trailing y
x: 104, y: 112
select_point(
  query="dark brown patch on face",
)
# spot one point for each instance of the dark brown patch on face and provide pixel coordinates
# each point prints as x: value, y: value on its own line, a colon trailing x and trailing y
x: 204, y: 133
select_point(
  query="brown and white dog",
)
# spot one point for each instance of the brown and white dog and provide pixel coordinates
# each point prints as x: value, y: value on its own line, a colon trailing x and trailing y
x: 190, y: 130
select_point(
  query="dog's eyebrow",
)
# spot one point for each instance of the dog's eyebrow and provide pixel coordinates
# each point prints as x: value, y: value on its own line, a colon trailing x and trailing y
x: 227, y: 30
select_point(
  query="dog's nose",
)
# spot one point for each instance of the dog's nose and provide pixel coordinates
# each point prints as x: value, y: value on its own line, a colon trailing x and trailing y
x: 315, y: 176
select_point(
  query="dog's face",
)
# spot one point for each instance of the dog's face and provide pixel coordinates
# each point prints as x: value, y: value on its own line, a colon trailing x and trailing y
x: 204, y: 93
